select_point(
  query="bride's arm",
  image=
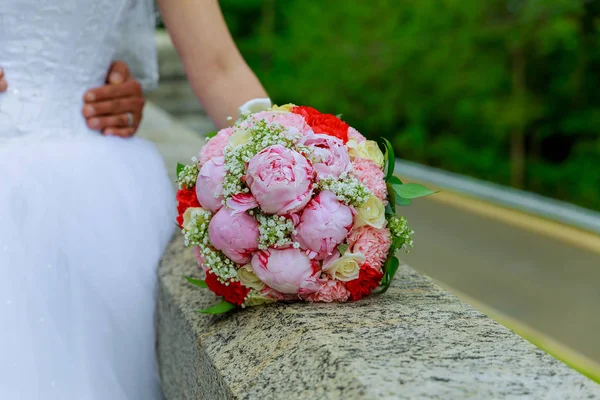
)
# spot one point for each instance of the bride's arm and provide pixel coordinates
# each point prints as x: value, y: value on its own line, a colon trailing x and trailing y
x: 217, y: 72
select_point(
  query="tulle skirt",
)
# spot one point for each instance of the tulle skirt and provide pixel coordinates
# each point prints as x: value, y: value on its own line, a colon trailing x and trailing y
x: 83, y: 224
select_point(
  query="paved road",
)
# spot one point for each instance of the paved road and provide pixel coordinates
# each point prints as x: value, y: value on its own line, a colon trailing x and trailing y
x: 539, y: 280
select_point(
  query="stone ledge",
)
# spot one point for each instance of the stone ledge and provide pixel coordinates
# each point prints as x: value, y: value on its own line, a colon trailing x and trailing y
x: 416, y: 341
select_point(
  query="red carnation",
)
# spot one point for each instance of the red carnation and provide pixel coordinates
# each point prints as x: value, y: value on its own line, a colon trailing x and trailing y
x: 368, y: 280
x: 186, y: 198
x: 327, y: 124
x: 234, y: 293
x: 330, y: 125
x: 306, y: 112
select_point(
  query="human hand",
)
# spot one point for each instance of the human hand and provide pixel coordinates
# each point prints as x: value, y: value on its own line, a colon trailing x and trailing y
x: 3, y: 83
x: 115, y: 108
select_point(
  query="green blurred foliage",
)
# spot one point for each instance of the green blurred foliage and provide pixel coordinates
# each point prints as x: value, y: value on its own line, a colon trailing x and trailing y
x: 504, y: 90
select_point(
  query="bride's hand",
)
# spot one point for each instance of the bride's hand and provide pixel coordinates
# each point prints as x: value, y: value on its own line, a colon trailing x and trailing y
x: 3, y: 83
x: 115, y: 108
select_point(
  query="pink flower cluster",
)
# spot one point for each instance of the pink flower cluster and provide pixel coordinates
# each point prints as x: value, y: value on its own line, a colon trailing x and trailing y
x: 286, y: 234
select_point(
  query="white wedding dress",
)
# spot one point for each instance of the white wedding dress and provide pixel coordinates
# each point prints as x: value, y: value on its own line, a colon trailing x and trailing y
x: 84, y: 218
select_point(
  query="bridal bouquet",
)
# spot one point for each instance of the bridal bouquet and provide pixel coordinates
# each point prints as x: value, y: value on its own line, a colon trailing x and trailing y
x: 291, y: 204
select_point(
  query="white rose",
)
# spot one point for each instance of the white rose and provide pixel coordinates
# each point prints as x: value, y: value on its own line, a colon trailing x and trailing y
x: 352, y: 144
x: 191, y: 216
x: 367, y: 149
x: 344, y: 268
x: 254, y: 106
x: 239, y: 137
x: 249, y: 279
x: 256, y: 299
x: 284, y: 108
x: 372, y: 213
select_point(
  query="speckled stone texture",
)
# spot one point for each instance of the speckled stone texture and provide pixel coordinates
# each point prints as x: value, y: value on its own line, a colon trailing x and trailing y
x: 415, y: 342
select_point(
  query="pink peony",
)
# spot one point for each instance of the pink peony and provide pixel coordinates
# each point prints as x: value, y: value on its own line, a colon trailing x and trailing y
x: 280, y: 179
x: 294, y: 123
x: 371, y: 176
x: 323, y: 225
x: 287, y: 271
x: 333, y: 156
x: 214, y: 147
x: 235, y: 234
x: 241, y: 202
x: 356, y: 135
x: 209, y: 185
x: 272, y: 294
x: 329, y: 290
x: 372, y: 242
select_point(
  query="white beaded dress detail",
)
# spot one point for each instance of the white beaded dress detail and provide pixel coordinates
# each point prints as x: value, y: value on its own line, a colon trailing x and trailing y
x: 84, y: 218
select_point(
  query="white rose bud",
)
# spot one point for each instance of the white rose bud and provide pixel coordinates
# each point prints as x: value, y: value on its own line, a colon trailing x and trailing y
x: 352, y: 144
x: 372, y: 213
x: 249, y: 279
x: 191, y: 217
x: 254, y: 106
x: 239, y: 137
x: 257, y: 299
x: 367, y: 149
x: 345, y: 268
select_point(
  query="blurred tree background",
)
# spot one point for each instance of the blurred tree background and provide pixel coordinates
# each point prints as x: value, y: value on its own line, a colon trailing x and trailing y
x: 504, y: 90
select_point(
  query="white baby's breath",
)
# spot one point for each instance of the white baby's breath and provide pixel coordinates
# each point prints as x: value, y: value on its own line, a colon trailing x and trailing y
x: 348, y: 189
x: 274, y: 231
x: 401, y: 234
x: 197, y: 235
x: 188, y: 175
x: 261, y: 134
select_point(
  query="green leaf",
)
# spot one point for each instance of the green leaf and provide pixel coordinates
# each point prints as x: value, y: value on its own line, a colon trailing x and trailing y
x: 180, y: 168
x: 394, y: 180
x: 211, y: 134
x: 399, y: 200
x: 219, y: 308
x: 339, y: 116
x: 197, y: 282
x: 391, y: 199
x: 389, y: 210
x: 397, y: 243
x: 391, y: 160
x: 412, y: 190
x: 342, y: 248
x: 391, y: 267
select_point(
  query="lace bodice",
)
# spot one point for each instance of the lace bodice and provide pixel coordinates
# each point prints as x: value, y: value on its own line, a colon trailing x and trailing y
x: 52, y: 52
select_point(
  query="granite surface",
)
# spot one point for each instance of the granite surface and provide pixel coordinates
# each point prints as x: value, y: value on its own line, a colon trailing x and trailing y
x: 415, y: 342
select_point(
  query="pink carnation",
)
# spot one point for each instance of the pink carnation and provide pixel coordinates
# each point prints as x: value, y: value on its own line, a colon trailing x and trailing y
x: 371, y: 176
x: 214, y: 147
x: 329, y: 290
x: 373, y: 243
x: 356, y: 135
x: 288, y: 120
